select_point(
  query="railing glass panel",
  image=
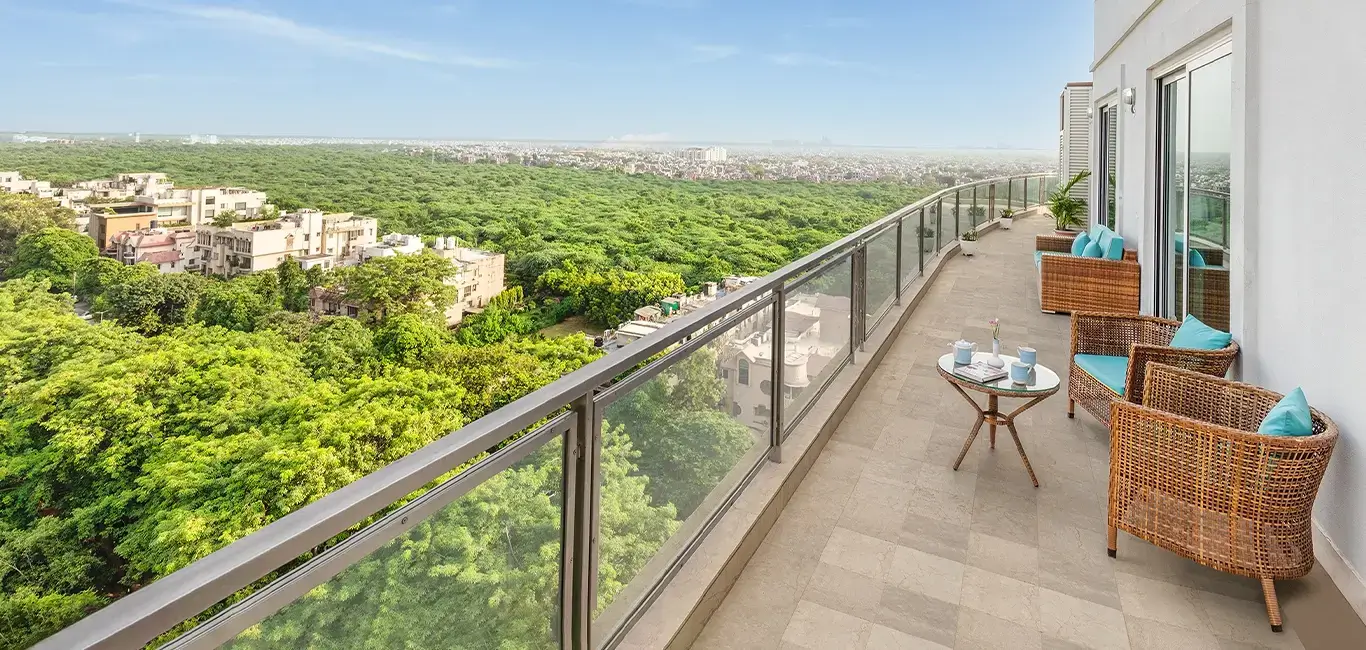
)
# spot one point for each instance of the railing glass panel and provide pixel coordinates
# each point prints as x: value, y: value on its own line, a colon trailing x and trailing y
x: 882, y: 276
x: 910, y: 248
x: 485, y: 565
x: 817, y: 336
x: 674, y: 449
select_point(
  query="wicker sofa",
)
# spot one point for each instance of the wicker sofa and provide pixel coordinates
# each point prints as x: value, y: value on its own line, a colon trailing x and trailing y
x: 1118, y: 349
x: 1189, y: 474
x: 1070, y: 283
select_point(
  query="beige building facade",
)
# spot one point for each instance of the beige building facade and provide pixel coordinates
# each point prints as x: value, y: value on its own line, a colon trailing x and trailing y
x: 250, y: 246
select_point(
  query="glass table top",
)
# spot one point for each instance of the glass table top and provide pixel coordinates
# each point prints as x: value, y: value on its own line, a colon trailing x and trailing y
x: 1041, y: 380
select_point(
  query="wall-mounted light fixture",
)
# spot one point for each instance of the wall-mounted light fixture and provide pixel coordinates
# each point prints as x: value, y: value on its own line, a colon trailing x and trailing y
x: 1130, y: 97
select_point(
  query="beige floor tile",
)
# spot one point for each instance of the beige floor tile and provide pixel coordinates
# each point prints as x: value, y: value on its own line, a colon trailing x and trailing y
x: 944, y: 479
x: 1008, y: 516
x: 918, y: 615
x: 801, y: 532
x: 876, y: 508
x: 1073, y: 561
x: 1145, y: 634
x: 1018, y: 561
x: 862, y: 554
x: 885, y: 638
x: 1160, y: 601
x: 1243, y: 621
x: 844, y: 591
x: 981, y: 631
x: 947, y: 507
x: 1002, y: 597
x: 1081, y: 621
x: 818, y: 628
x: 926, y: 573
x: 935, y: 536
x: 904, y: 437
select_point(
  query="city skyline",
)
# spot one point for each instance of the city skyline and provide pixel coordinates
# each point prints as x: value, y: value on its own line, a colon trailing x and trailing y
x: 642, y: 71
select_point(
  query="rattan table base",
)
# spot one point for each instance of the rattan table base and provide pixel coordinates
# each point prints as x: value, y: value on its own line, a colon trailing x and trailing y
x: 993, y: 417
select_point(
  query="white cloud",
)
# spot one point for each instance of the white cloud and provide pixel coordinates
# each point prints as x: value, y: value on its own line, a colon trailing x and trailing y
x: 803, y: 59
x: 284, y: 29
x: 709, y: 53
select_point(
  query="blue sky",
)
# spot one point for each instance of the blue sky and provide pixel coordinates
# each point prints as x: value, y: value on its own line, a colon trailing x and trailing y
x: 931, y: 73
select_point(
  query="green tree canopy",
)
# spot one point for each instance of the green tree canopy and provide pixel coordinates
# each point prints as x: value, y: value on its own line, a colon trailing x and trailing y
x: 23, y: 214
x: 402, y: 284
x: 54, y: 254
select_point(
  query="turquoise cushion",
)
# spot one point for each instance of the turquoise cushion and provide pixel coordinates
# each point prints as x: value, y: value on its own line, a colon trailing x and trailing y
x: 1038, y: 259
x: 1079, y: 243
x: 1195, y: 335
x: 1290, y: 417
x: 1115, y: 251
x: 1196, y: 260
x: 1106, y: 235
x: 1092, y: 250
x: 1096, y: 229
x: 1111, y: 371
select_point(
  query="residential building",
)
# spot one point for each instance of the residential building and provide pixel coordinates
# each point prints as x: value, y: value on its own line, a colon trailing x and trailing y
x: 171, y: 251
x: 1074, y: 134
x: 249, y: 246
x: 817, y: 333
x: 705, y: 154
x: 1235, y: 140
x: 482, y: 272
x: 109, y: 219
x: 393, y: 244
x: 15, y: 183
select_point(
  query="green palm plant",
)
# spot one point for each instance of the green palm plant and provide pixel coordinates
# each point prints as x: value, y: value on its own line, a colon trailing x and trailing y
x: 1065, y: 208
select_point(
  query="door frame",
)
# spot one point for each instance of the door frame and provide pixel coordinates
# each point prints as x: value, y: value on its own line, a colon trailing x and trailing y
x: 1163, y: 255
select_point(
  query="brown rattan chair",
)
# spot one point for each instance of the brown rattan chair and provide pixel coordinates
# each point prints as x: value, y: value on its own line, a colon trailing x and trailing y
x: 1143, y: 340
x: 1069, y: 283
x: 1188, y: 473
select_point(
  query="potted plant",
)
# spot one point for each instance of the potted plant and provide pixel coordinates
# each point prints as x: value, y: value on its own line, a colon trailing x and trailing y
x: 1007, y: 218
x: 967, y: 242
x: 927, y: 239
x: 1066, y: 209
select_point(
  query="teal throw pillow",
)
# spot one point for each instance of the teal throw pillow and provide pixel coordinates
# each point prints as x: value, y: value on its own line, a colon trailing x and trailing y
x: 1115, y: 251
x: 1092, y: 250
x: 1079, y: 243
x: 1195, y: 335
x: 1196, y: 260
x: 1290, y: 417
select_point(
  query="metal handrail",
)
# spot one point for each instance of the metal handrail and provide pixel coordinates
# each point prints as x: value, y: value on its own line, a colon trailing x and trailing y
x: 143, y: 615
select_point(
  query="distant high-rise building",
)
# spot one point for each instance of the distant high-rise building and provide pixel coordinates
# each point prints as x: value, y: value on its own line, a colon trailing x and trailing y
x: 195, y: 139
x: 705, y: 154
x: 213, y: 139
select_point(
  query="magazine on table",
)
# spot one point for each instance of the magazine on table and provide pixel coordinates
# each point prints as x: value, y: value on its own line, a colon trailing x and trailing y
x: 980, y: 372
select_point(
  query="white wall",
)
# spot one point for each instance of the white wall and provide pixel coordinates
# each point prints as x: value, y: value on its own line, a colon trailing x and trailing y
x: 1298, y: 274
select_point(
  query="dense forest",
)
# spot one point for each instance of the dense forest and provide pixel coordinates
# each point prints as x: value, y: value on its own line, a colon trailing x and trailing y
x: 198, y: 409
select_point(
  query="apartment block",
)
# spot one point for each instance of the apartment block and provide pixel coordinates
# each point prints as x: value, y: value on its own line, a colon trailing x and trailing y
x: 249, y: 246
x: 15, y: 183
x: 109, y: 219
x: 170, y: 251
x: 482, y: 272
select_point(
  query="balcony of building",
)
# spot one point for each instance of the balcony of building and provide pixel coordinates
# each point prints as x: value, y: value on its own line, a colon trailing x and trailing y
x: 657, y: 498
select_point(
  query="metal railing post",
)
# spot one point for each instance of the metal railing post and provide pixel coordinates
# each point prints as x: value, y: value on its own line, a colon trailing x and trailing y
x: 972, y: 212
x: 579, y: 542
x: 920, y: 241
x: 775, y: 429
x: 957, y: 218
x: 939, y: 226
x: 900, y: 223
x: 991, y: 202
x: 855, y: 302
x: 1026, y: 192
x: 1010, y: 193
x: 1043, y: 193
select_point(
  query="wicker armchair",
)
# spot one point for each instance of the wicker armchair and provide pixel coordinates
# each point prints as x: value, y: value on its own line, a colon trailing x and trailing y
x: 1069, y: 283
x: 1142, y: 340
x: 1188, y: 474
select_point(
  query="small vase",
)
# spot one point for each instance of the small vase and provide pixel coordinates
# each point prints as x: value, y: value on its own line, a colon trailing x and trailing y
x: 996, y: 361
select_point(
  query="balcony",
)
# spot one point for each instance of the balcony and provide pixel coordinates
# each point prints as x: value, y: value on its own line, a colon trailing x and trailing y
x: 624, y: 506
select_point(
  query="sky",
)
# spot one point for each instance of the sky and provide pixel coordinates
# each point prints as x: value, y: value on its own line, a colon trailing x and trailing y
x: 921, y: 73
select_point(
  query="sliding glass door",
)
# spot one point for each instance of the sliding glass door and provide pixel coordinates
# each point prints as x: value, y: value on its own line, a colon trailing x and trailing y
x: 1107, y: 136
x: 1195, y: 120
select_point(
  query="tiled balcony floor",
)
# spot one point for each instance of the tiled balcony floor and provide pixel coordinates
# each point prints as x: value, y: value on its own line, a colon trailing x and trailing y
x: 885, y: 546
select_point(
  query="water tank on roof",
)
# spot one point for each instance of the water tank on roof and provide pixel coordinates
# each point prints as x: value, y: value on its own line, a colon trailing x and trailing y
x: 794, y: 370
